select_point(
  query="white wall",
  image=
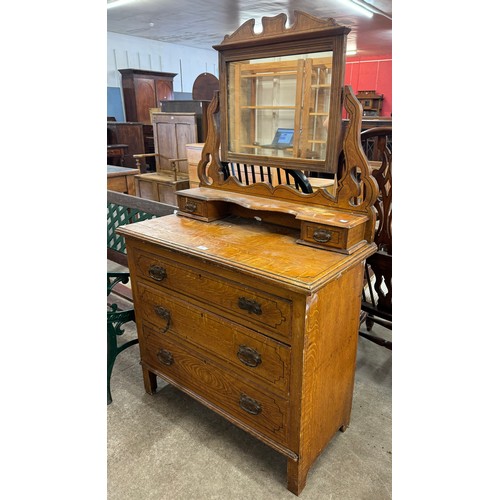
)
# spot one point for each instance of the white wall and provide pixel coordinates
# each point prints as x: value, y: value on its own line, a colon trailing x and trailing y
x: 140, y: 53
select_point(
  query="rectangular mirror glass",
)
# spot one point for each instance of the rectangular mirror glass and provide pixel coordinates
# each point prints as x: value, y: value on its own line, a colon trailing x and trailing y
x: 279, y: 106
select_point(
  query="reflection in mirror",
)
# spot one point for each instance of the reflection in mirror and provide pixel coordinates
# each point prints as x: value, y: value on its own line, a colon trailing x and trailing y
x: 279, y: 106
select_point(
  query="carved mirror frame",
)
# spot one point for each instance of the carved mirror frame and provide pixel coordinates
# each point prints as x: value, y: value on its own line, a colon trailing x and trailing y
x: 307, y: 35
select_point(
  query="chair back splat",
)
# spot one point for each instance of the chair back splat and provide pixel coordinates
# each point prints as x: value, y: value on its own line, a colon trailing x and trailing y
x: 376, y: 305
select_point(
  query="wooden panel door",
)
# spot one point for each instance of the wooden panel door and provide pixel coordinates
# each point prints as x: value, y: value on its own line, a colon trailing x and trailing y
x: 172, y: 132
x: 164, y: 92
x: 145, y: 97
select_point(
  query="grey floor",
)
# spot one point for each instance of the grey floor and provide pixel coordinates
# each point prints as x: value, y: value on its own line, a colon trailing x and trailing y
x: 168, y: 446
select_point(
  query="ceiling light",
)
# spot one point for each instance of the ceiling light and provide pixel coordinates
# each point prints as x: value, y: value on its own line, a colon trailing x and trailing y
x: 358, y: 7
x: 367, y: 8
x: 118, y: 3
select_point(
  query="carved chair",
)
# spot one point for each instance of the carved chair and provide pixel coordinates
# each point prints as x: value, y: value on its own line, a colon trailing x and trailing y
x: 376, y: 302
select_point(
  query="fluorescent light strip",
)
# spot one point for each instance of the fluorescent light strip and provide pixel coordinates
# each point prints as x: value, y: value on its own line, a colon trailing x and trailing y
x: 118, y: 3
x: 370, y: 8
x: 359, y: 8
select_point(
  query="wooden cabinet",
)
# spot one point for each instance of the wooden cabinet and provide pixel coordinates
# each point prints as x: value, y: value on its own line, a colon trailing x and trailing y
x: 171, y: 132
x: 371, y: 102
x: 131, y: 135
x: 143, y: 90
x: 199, y: 108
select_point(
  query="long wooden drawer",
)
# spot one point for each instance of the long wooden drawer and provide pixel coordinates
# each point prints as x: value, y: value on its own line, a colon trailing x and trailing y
x: 253, y: 355
x: 253, y: 307
x: 263, y: 411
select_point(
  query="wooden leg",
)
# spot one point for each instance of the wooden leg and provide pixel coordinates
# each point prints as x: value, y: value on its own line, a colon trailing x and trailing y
x: 149, y: 381
x: 297, y: 476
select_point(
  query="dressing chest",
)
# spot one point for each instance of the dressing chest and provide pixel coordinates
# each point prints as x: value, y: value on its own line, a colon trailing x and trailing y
x: 248, y: 298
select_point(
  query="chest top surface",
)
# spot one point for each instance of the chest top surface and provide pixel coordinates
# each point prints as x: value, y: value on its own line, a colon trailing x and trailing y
x: 258, y: 249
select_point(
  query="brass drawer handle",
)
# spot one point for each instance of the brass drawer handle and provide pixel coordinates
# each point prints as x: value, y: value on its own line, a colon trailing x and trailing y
x: 164, y: 314
x: 190, y: 207
x: 249, y: 356
x: 156, y: 272
x: 165, y: 357
x: 322, y: 235
x: 250, y: 405
x: 249, y: 305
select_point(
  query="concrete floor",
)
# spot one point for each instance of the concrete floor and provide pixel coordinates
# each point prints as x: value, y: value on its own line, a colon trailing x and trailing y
x: 170, y: 447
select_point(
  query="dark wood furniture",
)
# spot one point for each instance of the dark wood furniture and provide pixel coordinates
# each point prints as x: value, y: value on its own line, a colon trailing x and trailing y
x: 371, y: 102
x: 376, y: 301
x: 205, y: 86
x: 142, y: 90
x: 121, y: 179
x: 116, y: 154
x: 131, y: 135
x: 248, y: 299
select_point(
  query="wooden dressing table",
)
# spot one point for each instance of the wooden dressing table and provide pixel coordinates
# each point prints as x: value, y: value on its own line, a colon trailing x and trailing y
x: 248, y: 299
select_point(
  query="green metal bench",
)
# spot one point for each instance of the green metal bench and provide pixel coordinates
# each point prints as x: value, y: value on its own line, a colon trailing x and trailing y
x: 123, y: 209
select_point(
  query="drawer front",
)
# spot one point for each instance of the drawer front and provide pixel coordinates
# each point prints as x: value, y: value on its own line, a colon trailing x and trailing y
x: 262, y: 411
x: 252, y: 307
x: 324, y: 235
x: 345, y: 240
x: 193, y: 207
x: 118, y: 184
x: 253, y: 355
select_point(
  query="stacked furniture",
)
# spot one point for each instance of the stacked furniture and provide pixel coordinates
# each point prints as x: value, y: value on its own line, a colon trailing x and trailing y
x: 129, y: 138
x: 144, y: 90
x: 172, y: 132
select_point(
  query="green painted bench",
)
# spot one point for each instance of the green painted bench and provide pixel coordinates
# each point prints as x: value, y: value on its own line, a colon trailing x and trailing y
x: 123, y: 209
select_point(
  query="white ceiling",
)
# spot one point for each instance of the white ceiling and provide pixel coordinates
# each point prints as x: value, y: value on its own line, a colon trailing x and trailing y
x: 204, y: 23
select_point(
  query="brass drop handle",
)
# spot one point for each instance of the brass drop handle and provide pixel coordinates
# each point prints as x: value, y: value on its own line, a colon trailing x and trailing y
x: 165, y: 357
x: 322, y: 235
x: 156, y: 272
x: 249, y: 356
x: 252, y: 306
x: 164, y: 314
x: 190, y: 206
x: 250, y: 405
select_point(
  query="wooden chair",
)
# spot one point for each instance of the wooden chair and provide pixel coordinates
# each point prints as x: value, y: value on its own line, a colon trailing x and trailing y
x: 376, y: 305
x: 250, y: 174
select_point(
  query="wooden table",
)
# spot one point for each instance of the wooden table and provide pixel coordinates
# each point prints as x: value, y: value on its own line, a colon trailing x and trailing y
x: 117, y: 151
x: 121, y: 179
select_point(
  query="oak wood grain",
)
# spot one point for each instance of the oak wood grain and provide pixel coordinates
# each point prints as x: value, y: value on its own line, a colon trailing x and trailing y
x: 217, y: 337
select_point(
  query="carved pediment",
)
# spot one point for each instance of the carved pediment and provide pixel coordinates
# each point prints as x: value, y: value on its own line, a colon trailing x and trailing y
x: 276, y: 27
